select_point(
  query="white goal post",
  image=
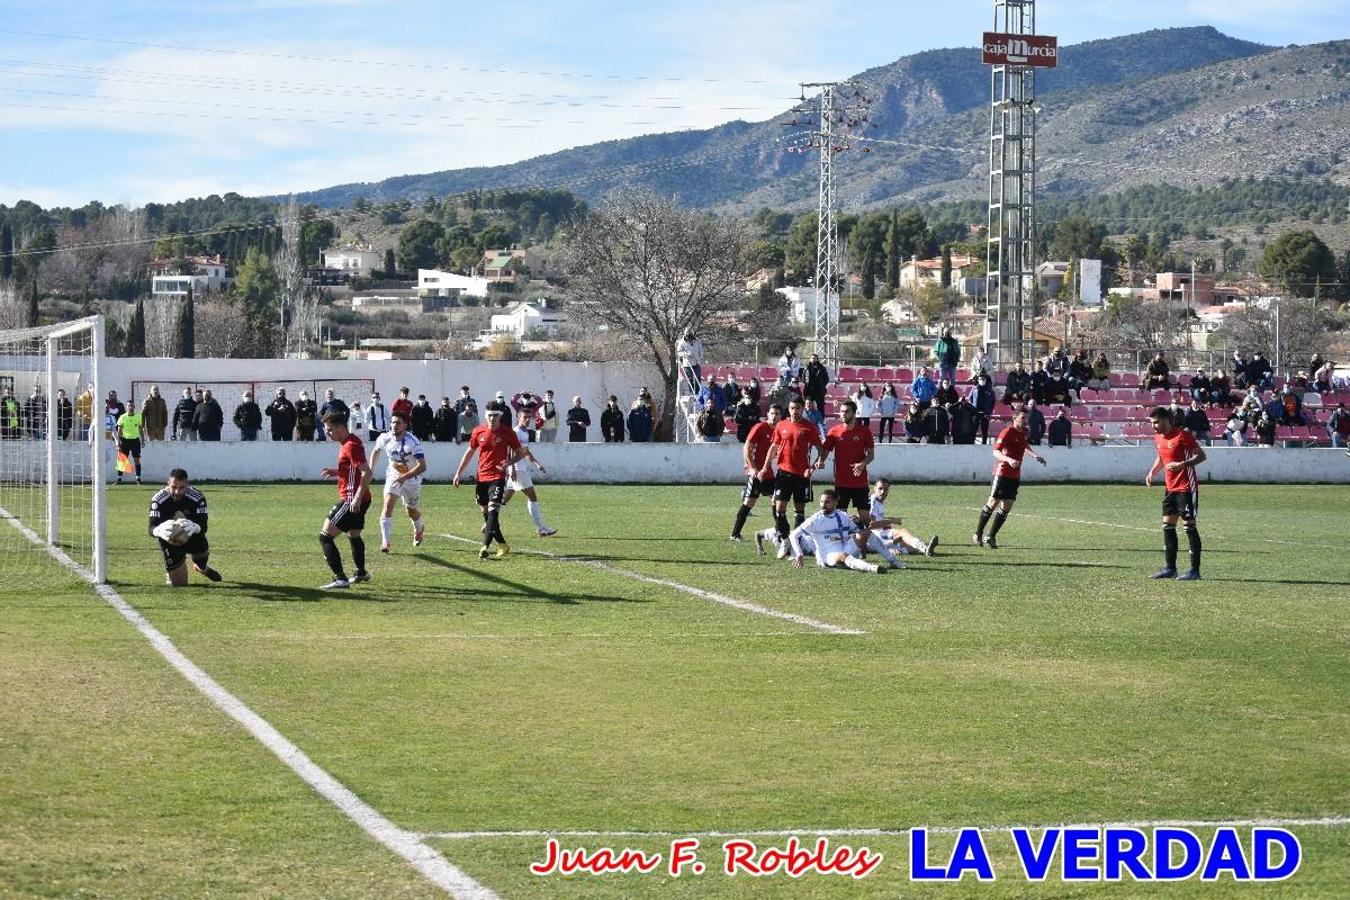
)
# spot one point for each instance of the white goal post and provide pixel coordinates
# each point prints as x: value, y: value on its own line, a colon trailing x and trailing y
x: 55, y: 451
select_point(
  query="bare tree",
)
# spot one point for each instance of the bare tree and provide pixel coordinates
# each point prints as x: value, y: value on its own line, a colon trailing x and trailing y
x: 1305, y: 329
x: 221, y: 329
x: 1130, y: 323
x: 299, y: 299
x: 110, y: 249
x: 13, y: 309
x: 647, y: 270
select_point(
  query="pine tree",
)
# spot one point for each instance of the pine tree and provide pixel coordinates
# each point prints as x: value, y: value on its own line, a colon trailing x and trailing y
x: 135, y: 342
x: 33, y: 314
x: 187, y: 323
x: 6, y: 252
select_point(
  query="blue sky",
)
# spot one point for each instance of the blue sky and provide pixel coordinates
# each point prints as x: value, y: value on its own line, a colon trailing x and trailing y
x: 136, y: 101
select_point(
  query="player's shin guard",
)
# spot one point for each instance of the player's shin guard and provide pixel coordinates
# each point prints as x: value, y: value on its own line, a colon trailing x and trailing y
x: 799, y: 518
x: 358, y: 552
x: 985, y: 512
x: 780, y: 520
x: 494, y: 528
x: 741, y: 515
x: 330, y: 553
x: 386, y: 529
x: 1193, y: 540
x: 858, y: 565
x: 1000, y: 516
x: 535, y: 513
x: 1170, y: 546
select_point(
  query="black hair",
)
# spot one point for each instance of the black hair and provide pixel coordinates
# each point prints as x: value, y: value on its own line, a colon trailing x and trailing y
x: 180, y: 474
x: 1161, y: 412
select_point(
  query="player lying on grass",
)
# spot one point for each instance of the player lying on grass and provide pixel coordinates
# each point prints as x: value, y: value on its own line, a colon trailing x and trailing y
x: 178, y: 521
x: 890, y: 530
x: 402, y: 477
x: 837, y: 538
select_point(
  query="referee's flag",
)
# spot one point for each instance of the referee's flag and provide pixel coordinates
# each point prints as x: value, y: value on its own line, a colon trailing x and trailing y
x: 123, y: 461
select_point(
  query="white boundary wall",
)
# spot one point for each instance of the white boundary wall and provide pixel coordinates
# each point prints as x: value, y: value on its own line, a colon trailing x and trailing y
x: 721, y: 463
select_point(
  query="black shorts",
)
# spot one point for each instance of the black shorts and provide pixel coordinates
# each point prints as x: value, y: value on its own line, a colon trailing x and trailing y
x: 490, y: 492
x: 175, y: 554
x: 348, y: 518
x: 1005, y: 488
x: 858, y: 496
x: 1184, y: 504
x: 796, y: 488
x: 756, y: 487
x: 129, y: 446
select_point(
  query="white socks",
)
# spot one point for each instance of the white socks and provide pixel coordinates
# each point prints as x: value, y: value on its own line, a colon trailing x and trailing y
x: 387, y: 529
x: 858, y: 565
x: 874, y: 542
x: 533, y: 507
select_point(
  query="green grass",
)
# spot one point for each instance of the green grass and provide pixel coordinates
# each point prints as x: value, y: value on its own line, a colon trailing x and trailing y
x: 1049, y: 681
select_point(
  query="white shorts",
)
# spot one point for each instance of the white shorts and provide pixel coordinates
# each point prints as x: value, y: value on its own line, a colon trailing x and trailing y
x: 519, y: 478
x: 410, y: 491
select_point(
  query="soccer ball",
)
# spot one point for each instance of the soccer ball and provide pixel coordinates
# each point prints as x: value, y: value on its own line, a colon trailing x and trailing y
x: 176, y: 531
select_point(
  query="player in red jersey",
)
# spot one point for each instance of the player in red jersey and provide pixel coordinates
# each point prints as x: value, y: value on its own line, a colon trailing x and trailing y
x: 854, y: 450
x: 756, y: 452
x: 1178, y: 455
x: 349, y: 515
x: 790, y: 452
x: 497, y: 447
x: 1009, y: 447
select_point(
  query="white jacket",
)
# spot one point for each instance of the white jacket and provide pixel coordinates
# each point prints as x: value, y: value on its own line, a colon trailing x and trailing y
x: 689, y: 352
x: 377, y: 417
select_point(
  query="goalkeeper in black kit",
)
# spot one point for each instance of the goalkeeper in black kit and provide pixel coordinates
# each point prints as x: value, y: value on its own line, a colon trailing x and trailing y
x: 178, y: 522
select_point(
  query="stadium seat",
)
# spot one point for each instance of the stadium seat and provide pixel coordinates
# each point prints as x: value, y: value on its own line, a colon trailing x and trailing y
x: 768, y: 373
x: 867, y: 374
x: 885, y: 374
x: 848, y: 373
x: 1128, y: 379
x: 904, y: 375
x: 1183, y: 381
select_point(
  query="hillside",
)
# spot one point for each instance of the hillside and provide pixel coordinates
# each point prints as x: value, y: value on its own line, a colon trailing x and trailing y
x: 1113, y: 108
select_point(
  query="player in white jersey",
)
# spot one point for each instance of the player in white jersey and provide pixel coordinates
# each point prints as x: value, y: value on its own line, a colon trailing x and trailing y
x: 836, y: 537
x: 402, y: 477
x: 889, y: 531
x: 520, y: 478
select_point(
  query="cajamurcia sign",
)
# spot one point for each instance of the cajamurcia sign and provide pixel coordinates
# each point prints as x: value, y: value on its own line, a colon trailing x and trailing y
x: 1020, y: 49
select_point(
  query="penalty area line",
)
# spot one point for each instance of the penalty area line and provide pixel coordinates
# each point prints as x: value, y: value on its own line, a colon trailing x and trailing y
x: 408, y: 845
x: 1325, y: 821
x: 743, y: 605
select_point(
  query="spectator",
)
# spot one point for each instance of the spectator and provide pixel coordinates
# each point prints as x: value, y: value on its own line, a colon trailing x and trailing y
x: 1060, y: 432
x: 1259, y: 372
x: 1220, y: 390
x: 112, y: 411
x: 331, y: 404
x: 922, y: 389
x: 965, y: 421
x: 208, y: 418
x: 1324, y: 378
x: 464, y: 399
x: 938, y: 424
x: 445, y: 427
x: 1265, y: 426
x: 814, y: 414
x: 1057, y: 362
x: 1157, y: 376
x: 1291, y: 408
x: 306, y: 416
x: 745, y: 415
x: 640, y: 422
x: 184, y: 421
x: 1199, y: 387
x: 377, y: 418
x: 689, y: 350
x: 356, y: 417
x: 1315, y: 363
x: 1197, y: 422
x: 947, y: 351
x: 65, y: 415
x: 1101, y: 374
x: 752, y: 391
x: 646, y: 397
x: 611, y: 420
x: 282, y: 413
x: 1038, y: 379
x: 35, y: 414
x: 1236, y: 429
x: 84, y: 409
x: 867, y: 405
x: 467, y: 418
x: 710, y: 397
x: 1035, y: 424
x: 731, y: 391
x: 1080, y: 373
x: 710, y: 425
x: 422, y: 422
x: 154, y: 415
x: 548, y: 419
x: 578, y: 420
x: 1057, y: 390
x: 817, y: 380
x: 982, y: 398
x: 1251, y: 403
x: 1338, y: 426
x: 1239, y: 370
x: 11, y: 416
x: 916, y: 424
x: 402, y: 405
x: 983, y: 362
x: 248, y: 418
x: 946, y: 393
x: 527, y: 402
x: 1018, y: 388
x: 888, y: 407
x: 789, y: 366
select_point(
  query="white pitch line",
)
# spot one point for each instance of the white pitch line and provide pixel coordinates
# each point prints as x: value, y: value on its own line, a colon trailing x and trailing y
x: 1154, y: 530
x: 307, y: 638
x: 744, y: 605
x: 433, y: 866
x: 1331, y: 821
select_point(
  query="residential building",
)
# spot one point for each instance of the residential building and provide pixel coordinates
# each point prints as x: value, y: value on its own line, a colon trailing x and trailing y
x: 435, y: 283
x: 210, y: 274
x: 353, y: 260
x: 1050, y: 276
x: 917, y: 272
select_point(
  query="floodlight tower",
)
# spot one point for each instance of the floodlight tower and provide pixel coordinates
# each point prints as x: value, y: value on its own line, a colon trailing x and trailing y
x: 844, y: 107
x: 1015, y: 51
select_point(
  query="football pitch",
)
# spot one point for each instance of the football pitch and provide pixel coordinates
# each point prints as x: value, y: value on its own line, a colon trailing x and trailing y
x: 639, y: 679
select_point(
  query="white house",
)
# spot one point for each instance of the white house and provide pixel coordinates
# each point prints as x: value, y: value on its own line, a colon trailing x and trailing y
x: 358, y: 261
x: 435, y: 283
x: 528, y: 317
x: 802, y: 304
x: 210, y: 273
x: 917, y: 272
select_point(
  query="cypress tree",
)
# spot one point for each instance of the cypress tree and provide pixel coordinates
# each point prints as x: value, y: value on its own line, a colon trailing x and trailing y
x: 390, y: 264
x: 187, y: 324
x: 946, y: 265
x: 893, y: 252
x: 6, y: 251
x: 135, y: 342
x: 33, y: 314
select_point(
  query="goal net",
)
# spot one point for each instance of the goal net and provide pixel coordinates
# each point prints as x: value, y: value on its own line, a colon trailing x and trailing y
x: 54, y: 453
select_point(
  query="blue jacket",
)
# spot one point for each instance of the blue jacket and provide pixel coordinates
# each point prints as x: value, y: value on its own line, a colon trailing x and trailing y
x: 714, y: 396
x: 923, y: 389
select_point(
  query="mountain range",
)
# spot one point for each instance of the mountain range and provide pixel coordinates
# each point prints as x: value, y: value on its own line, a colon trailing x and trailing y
x: 1183, y: 106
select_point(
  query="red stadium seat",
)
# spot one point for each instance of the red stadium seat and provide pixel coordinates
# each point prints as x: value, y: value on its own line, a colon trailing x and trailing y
x: 867, y: 374
x: 1129, y: 379
x: 848, y: 373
